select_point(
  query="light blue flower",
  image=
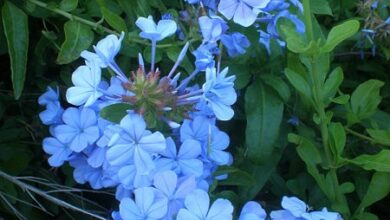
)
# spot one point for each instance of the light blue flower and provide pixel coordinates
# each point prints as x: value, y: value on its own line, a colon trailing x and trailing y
x: 296, y: 209
x: 242, y: 11
x: 52, y: 114
x: 219, y: 142
x: 252, y: 211
x: 235, y: 43
x: 219, y: 93
x: 185, y: 161
x: 136, y: 144
x: 204, y: 58
x: 49, y: 96
x: 174, y: 190
x: 105, y: 51
x: 212, y: 28
x: 155, y: 32
x: 97, y: 178
x: 146, y: 205
x: 197, y: 208
x: 197, y: 129
x: 86, y: 80
x: 80, y: 128
x: 59, y: 152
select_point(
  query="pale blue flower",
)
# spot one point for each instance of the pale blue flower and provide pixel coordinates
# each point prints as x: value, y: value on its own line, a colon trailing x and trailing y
x: 80, y: 128
x: 235, y: 43
x: 59, y: 151
x: 86, y: 80
x: 146, y: 205
x: 215, y: 148
x: 105, y: 51
x: 174, y: 190
x: 212, y: 28
x: 136, y: 144
x: 197, y: 129
x: 52, y: 114
x: 204, y: 58
x: 296, y: 209
x: 197, y: 207
x: 252, y: 211
x: 219, y: 93
x: 185, y: 161
x: 49, y: 96
x: 97, y: 178
x: 155, y: 32
x: 242, y: 11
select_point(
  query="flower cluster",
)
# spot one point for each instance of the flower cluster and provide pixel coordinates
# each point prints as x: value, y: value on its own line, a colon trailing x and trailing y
x: 133, y: 155
x: 162, y: 152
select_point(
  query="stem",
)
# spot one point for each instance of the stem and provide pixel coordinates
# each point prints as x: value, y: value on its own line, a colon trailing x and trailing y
x: 98, y: 26
x: 37, y: 191
x: 317, y: 84
x: 364, y: 137
x: 307, y: 17
x: 153, y: 55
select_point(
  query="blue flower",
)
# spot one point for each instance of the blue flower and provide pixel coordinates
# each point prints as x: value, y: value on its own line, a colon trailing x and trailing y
x: 296, y: 209
x: 52, y: 114
x: 98, y: 178
x: 146, y: 205
x: 174, y: 190
x: 105, y: 51
x: 235, y: 43
x: 204, y: 57
x: 49, y: 96
x: 136, y: 144
x: 219, y: 142
x: 60, y: 152
x: 242, y: 11
x: 80, y: 128
x: 86, y: 90
x: 219, y: 93
x: 184, y: 162
x: 293, y: 120
x: 153, y: 32
x: 197, y: 129
x: 252, y: 211
x: 197, y: 208
x: 212, y: 28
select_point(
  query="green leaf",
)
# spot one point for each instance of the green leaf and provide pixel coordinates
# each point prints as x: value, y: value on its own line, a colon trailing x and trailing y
x: 115, y: 112
x: 338, y: 139
x: 310, y: 154
x: 15, y: 25
x: 378, y: 189
x: 78, y: 37
x: 320, y: 7
x: 298, y: 82
x: 264, y: 112
x: 236, y: 177
x: 340, y: 33
x: 366, y: 98
x: 378, y: 162
x: 332, y: 84
x: 342, y: 100
x: 382, y: 136
x: 278, y: 85
x: 114, y: 20
x: 68, y: 5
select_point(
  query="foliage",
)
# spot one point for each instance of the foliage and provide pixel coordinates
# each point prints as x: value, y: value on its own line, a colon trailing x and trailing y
x: 311, y: 118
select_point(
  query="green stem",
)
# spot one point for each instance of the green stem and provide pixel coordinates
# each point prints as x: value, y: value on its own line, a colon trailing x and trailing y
x: 364, y: 137
x: 307, y: 17
x: 317, y: 84
x: 27, y: 187
x: 98, y: 26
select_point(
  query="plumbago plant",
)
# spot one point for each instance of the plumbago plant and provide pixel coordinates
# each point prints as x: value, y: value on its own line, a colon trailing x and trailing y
x: 194, y: 109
